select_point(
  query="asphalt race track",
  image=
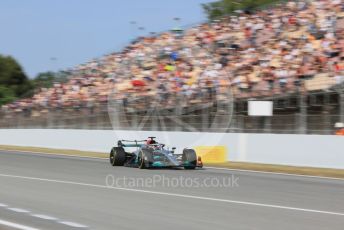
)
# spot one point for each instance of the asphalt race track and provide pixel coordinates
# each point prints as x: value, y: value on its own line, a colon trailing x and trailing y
x: 58, y: 192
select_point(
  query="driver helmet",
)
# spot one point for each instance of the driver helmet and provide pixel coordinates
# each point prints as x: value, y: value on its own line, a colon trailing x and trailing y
x: 150, y: 141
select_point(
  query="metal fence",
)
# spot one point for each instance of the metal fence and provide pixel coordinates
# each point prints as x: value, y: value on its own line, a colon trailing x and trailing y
x: 289, y: 123
x: 308, y: 115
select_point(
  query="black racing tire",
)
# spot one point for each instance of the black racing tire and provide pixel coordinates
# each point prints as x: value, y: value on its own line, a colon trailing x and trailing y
x: 145, y: 158
x: 117, y: 156
x: 190, y: 156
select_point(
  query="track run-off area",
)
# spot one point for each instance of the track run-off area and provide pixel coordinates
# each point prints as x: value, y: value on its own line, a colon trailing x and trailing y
x: 40, y: 191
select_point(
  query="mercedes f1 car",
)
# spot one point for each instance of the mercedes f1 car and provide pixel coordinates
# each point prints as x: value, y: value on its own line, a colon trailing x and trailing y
x: 151, y: 154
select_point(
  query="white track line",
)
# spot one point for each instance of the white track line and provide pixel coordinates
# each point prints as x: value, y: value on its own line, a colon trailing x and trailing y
x: 44, y: 217
x: 16, y: 226
x: 274, y: 173
x: 217, y: 168
x: 177, y: 195
x: 72, y: 224
x: 19, y: 210
x: 40, y: 216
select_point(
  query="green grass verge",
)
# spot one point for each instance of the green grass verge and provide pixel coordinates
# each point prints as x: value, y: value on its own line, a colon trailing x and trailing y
x: 309, y: 171
x: 55, y: 151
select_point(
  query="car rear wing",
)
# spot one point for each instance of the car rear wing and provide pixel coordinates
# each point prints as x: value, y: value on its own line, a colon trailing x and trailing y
x: 130, y: 143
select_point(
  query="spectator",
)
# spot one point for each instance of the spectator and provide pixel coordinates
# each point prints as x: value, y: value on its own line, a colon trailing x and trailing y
x: 274, y: 49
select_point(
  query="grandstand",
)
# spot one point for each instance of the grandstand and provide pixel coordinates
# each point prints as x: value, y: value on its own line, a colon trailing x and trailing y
x: 200, y: 79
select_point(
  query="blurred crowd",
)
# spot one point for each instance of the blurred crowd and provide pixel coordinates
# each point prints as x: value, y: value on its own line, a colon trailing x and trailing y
x: 297, y: 46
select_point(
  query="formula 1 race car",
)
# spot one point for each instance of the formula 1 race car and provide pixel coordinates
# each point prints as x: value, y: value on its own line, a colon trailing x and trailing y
x: 150, y: 154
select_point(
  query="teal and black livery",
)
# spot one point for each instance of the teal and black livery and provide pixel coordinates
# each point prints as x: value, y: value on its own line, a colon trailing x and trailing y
x: 151, y: 154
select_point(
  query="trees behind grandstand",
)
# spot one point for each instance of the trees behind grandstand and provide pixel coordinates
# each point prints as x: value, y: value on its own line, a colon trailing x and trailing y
x: 47, y: 79
x: 15, y: 84
x: 221, y: 8
x: 13, y: 81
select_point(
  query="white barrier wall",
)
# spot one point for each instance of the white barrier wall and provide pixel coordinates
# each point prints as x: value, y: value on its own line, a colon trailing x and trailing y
x: 298, y: 150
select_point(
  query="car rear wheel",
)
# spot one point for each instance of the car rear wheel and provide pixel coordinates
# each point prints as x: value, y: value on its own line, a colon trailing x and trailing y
x: 117, y: 156
x: 189, y: 159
